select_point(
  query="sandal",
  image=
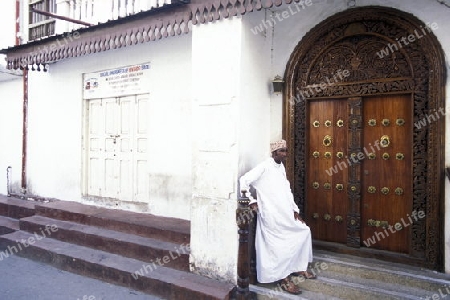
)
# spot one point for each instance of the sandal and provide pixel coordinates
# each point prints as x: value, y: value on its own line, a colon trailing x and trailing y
x: 288, y: 286
x: 305, y: 274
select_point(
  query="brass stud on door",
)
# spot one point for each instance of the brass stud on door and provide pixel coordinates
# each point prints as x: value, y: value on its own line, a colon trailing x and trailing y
x: 316, y: 124
x: 385, y: 156
x: 400, y: 122
x: 339, y: 186
x: 385, y: 122
x: 385, y: 190
x: 315, y: 215
x: 327, y: 217
x: 340, y: 123
x: 340, y: 154
x: 372, y: 156
x: 372, y: 122
x: 327, y: 154
x: 371, y: 189
x: 316, y: 154
x: 339, y: 219
x: 315, y: 185
x: 327, y: 123
x: 399, y: 156
x: 327, y: 186
x: 399, y: 191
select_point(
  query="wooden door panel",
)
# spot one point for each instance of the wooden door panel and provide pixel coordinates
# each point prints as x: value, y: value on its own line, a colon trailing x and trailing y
x: 386, y: 173
x: 326, y: 171
x: 385, y: 165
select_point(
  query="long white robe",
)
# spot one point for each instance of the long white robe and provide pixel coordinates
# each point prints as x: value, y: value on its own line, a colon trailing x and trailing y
x: 283, y: 244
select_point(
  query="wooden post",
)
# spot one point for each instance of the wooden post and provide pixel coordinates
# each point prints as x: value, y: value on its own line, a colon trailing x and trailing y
x: 244, y: 216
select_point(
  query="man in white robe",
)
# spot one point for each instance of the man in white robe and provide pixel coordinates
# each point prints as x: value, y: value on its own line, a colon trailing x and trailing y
x: 283, y: 241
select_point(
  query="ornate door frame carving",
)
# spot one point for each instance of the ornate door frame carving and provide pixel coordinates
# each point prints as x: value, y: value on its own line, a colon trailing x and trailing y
x: 348, y: 41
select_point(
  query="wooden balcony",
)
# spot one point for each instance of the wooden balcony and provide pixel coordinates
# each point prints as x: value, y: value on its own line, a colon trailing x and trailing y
x: 94, y: 12
x: 41, y: 29
x: 84, y: 11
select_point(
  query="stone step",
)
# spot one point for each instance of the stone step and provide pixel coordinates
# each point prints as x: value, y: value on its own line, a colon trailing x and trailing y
x: 147, y: 225
x: 348, y: 277
x: 382, y: 271
x: 16, y: 208
x: 146, y: 249
x: 8, y: 225
x: 355, y: 289
x: 151, y: 278
x: 272, y: 291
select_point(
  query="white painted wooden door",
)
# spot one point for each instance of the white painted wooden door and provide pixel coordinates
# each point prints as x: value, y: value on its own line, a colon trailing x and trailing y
x: 117, y: 148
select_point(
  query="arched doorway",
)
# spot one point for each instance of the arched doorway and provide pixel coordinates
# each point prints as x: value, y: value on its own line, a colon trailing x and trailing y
x: 364, y: 115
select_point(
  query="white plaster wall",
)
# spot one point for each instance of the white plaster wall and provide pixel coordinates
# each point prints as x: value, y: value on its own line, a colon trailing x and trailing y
x: 255, y: 88
x: 289, y: 32
x: 11, y: 95
x: 11, y: 99
x: 216, y: 63
x: 55, y: 124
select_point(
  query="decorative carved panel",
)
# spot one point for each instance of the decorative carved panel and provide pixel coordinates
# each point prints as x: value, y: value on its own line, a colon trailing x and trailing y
x: 354, y: 184
x: 364, y: 42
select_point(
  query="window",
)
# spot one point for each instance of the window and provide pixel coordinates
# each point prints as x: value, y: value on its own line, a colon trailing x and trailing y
x: 41, y: 25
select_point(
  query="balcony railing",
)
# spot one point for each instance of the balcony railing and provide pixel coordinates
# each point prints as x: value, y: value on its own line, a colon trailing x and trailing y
x: 40, y: 25
x: 41, y: 29
x: 95, y: 11
x: 87, y: 11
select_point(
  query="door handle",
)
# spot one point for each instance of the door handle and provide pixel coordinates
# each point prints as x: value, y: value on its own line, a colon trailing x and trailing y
x: 327, y: 140
x: 384, y: 141
x: 377, y: 223
x: 114, y: 136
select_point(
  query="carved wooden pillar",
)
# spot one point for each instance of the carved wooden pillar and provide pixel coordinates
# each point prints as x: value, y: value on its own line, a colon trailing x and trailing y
x: 244, y: 217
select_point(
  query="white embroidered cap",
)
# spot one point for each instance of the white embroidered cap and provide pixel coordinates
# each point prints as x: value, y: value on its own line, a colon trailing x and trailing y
x: 277, y: 145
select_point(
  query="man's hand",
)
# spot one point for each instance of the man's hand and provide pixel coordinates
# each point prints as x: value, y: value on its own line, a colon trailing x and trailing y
x: 254, y: 206
x: 297, y: 217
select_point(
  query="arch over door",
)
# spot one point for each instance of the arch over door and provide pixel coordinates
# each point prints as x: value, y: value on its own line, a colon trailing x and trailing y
x: 360, y: 43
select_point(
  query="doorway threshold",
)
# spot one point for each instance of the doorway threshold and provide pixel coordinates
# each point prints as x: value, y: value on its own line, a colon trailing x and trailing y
x: 383, y: 255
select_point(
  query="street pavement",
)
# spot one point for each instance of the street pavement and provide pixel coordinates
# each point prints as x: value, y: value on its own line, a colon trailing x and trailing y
x: 21, y: 279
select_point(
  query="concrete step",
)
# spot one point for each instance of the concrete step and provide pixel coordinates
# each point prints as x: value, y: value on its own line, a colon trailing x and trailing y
x: 147, y: 225
x: 155, y: 279
x: 125, y: 244
x: 273, y: 291
x: 16, y: 208
x: 8, y: 225
x: 382, y: 271
x: 348, y: 277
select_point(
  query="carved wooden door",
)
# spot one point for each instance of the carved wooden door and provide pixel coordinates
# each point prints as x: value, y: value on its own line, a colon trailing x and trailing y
x: 327, y: 174
x: 375, y: 160
x: 383, y: 191
x: 386, y: 173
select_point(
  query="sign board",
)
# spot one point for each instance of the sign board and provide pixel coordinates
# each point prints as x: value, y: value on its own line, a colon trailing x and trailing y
x: 129, y: 80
